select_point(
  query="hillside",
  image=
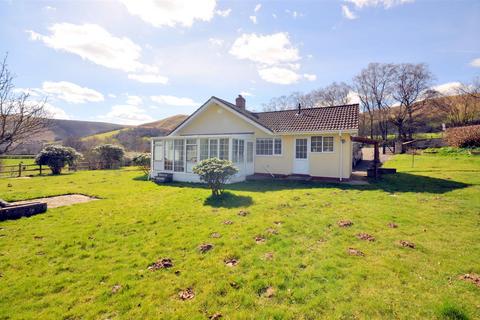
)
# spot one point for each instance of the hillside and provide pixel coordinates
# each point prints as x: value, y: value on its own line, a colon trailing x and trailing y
x: 167, y: 124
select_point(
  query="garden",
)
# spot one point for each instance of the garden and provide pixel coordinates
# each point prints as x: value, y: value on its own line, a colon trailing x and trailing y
x: 403, y: 247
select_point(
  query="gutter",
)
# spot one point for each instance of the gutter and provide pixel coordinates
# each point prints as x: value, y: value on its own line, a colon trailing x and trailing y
x: 341, y: 156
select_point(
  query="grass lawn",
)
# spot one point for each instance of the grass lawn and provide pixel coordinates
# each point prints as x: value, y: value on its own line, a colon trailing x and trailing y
x: 66, y: 263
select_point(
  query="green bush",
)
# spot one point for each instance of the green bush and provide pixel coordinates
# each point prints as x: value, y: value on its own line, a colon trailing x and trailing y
x: 56, y: 157
x: 109, y: 155
x: 142, y: 160
x: 215, y: 173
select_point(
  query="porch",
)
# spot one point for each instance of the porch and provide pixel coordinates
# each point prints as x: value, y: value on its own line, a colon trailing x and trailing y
x: 176, y: 156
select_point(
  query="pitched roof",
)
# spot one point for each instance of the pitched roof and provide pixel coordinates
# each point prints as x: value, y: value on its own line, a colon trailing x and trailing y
x: 334, y: 118
x: 312, y: 119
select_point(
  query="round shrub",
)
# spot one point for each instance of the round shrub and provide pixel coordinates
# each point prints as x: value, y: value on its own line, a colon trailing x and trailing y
x: 463, y: 137
x: 215, y: 173
x: 109, y: 155
x: 142, y: 160
x: 56, y: 157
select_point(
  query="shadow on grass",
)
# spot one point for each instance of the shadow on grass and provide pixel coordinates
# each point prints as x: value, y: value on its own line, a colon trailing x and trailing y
x: 395, y: 183
x: 228, y: 200
x: 143, y: 177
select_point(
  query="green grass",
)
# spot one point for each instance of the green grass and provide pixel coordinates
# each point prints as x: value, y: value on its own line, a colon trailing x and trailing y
x: 63, y: 264
x: 12, y: 162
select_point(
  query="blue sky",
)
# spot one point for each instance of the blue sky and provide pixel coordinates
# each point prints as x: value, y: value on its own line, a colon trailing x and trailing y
x: 138, y: 61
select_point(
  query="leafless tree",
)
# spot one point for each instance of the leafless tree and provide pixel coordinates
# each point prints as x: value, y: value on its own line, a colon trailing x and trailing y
x: 374, y: 86
x: 410, y: 91
x: 278, y: 103
x: 20, y: 118
x: 462, y: 106
x: 333, y: 95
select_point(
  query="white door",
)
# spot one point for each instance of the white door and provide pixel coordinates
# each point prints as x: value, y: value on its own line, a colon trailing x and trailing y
x: 249, y: 155
x: 300, y: 156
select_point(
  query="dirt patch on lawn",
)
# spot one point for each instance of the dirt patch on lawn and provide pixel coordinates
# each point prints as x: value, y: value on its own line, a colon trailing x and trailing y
x: 345, y: 223
x: 365, y: 236
x: 471, y: 277
x: 61, y: 201
x: 163, y: 263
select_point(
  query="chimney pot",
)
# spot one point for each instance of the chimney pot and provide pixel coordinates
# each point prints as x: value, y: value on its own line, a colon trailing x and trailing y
x: 240, y: 102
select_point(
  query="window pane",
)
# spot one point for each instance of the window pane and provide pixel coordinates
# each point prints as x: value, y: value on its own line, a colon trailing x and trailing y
x: 191, y: 154
x: 234, y: 150
x: 249, y: 151
x: 213, y: 148
x: 223, y: 151
x: 316, y: 144
x: 301, y: 148
x: 241, y: 148
x: 264, y: 147
x: 158, y: 151
x: 278, y: 146
x: 327, y: 144
x: 168, y: 164
x: 203, y: 149
x: 179, y: 156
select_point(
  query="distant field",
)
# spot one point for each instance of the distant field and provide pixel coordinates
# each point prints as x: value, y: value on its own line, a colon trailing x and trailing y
x: 8, y: 162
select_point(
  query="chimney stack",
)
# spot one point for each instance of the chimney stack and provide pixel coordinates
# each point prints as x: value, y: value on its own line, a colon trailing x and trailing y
x: 299, y: 108
x: 240, y: 102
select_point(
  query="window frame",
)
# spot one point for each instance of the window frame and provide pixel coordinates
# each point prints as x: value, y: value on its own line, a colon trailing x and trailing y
x: 273, y: 141
x: 322, y: 149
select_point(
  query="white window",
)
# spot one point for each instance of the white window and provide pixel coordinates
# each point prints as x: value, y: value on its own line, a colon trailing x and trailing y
x: 269, y: 146
x: 321, y: 144
x: 203, y: 149
x: 168, y: 164
x: 158, y: 151
x: 327, y: 144
x: 191, y: 154
x: 213, y: 148
x: 178, y: 165
x: 223, y: 149
x: 238, y: 150
x: 249, y: 151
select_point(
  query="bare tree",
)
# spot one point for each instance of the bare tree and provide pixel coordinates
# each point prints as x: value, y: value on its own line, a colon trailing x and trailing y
x: 334, y: 94
x: 411, y: 93
x: 374, y: 87
x: 462, y: 106
x: 278, y: 103
x: 20, y: 118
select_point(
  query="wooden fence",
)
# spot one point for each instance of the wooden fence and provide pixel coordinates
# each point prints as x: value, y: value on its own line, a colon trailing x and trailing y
x: 27, y: 170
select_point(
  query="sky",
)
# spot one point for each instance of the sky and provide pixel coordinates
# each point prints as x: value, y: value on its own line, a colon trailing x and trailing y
x: 137, y: 61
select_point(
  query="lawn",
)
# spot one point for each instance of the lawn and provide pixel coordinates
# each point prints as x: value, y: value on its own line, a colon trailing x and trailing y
x: 90, y: 260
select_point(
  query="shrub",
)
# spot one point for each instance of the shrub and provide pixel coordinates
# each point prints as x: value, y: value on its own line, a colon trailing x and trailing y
x: 215, y: 173
x: 142, y: 160
x: 463, y: 137
x: 56, y: 157
x: 109, y: 154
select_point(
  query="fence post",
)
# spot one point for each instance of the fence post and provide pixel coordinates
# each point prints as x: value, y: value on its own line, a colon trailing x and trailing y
x: 20, y: 169
x: 40, y: 169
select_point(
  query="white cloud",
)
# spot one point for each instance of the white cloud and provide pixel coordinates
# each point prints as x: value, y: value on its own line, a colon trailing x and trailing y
x: 347, y: 13
x: 174, y: 101
x: 134, y: 100
x: 216, y: 42
x: 56, y: 112
x: 387, y: 4
x: 246, y: 94
x: 224, y: 13
x: 111, y: 95
x: 279, y: 75
x: 95, y: 44
x: 448, y: 88
x: 127, y: 114
x: 267, y: 49
x: 294, y: 14
x: 148, y: 78
x: 257, y: 7
x: 71, y: 92
x: 49, y: 8
x: 274, y: 16
x: 310, y: 77
x: 475, y: 63
x: 253, y: 19
x: 171, y: 13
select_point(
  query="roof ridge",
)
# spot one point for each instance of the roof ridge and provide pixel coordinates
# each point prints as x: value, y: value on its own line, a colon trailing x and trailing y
x: 296, y: 109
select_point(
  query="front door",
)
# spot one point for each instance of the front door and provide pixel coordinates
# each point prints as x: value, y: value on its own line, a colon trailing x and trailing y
x: 300, y: 159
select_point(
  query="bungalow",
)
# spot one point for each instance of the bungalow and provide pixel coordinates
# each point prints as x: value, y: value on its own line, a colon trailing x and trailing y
x: 312, y: 141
